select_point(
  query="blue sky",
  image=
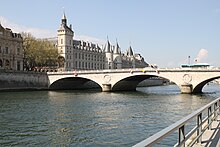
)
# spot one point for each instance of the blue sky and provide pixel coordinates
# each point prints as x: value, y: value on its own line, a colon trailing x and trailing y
x: 164, y: 32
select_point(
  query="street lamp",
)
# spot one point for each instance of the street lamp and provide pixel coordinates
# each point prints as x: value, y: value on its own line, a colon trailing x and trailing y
x: 189, y: 60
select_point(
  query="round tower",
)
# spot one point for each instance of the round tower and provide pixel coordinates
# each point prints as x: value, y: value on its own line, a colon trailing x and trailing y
x: 117, y: 57
x: 109, y: 56
x: 130, y: 54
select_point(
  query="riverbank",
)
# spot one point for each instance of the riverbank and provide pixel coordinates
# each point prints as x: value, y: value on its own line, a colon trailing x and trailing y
x: 22, y: 80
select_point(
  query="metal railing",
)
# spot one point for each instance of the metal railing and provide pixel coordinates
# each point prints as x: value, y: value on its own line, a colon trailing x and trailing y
x: 212, y: 110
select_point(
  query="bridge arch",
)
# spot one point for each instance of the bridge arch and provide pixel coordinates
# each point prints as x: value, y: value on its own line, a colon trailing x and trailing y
x: 73, y: 83
x: 198, y: 88
x: 131, y: 82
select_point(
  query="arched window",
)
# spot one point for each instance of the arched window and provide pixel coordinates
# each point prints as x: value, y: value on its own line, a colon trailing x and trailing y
x: 61, y: 61
x: 7, y: 64
x: 18, y: 65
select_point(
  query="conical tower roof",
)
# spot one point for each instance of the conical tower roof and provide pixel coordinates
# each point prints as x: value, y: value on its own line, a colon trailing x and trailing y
x: 64, y: 20
x: 107, y: 47
x: 117, y: 49
x: 64, y: 16
x: 130, y: 52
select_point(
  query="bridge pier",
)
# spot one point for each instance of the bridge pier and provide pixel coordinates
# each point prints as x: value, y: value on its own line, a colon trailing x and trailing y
x: 106, y: 87
x: 186, y: 88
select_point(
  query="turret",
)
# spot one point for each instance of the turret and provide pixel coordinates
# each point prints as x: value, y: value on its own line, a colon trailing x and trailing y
x: 117, y: 57
x: 117, y: 49
x: 129, y: 52
x: 64, y: 20
x: 108, y: 47
x: 109, y: 56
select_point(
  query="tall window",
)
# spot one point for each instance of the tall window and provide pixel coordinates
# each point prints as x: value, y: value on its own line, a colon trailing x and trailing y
x: 76, y: 64
x: 18, y: 51
x: 1, y: 65
x: 79, y: 64
x: 6, y: 50
x: 82, y: 56
x: 7, y: 64
x: 18, y: 65
x: 61, y: 41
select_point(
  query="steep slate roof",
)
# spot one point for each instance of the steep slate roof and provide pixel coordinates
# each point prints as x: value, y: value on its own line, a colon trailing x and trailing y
x: 117, y: 49
x: 63, y: 25
x: 108, y: 47
x: 1, y: 27
x: 130, y: 52
x: 64, y: 16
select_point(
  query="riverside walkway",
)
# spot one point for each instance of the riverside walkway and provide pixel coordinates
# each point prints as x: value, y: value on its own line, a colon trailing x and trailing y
x: 211, y: 138
x: 206, y: 132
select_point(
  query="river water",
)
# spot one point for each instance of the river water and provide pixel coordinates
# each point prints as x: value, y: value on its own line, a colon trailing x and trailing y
x: 92, y: 118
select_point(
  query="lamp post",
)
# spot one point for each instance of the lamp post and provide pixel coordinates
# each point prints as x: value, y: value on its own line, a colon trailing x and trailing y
x: 189, y: 60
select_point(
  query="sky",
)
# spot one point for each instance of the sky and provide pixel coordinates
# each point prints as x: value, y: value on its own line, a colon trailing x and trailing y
x: 165, y: 32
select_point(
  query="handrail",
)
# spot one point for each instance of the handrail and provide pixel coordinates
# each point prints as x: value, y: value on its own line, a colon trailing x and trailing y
x: 179, y: 125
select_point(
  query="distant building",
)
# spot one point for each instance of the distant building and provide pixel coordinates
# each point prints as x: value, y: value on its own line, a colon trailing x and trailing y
x: 11, y: 50
x: 82, y: 55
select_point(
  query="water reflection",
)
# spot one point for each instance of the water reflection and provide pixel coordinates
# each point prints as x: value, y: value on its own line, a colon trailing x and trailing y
x: 80, y: 118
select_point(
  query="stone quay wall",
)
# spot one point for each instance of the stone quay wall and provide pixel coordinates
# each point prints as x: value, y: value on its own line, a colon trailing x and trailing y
x: 22, y: 80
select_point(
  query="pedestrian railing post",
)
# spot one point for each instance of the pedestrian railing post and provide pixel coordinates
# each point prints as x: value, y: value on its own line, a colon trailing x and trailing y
x: 182, y: 135
x: 188, y: 139
x: 209, y: 117
x: 199, y: 125
x: 219, y: 106
x: 215, y: 110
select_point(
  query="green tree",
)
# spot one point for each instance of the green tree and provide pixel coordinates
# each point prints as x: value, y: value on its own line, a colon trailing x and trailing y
x: 39, y: 53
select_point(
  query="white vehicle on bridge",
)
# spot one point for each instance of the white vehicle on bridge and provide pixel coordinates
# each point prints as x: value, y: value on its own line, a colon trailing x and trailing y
x: 196, y: 65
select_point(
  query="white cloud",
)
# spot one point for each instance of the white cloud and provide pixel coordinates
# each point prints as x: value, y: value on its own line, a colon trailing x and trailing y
x: 36, y: 32
x: 44, y: 33
x: 202, y: 55
x: 91, y: 39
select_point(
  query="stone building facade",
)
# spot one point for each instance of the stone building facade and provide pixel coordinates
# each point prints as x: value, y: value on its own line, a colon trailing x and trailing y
x: 81, y: 55
x: 11, y: 50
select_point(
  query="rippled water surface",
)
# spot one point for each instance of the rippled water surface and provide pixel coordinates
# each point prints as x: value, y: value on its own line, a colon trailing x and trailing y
x: 89, y: 118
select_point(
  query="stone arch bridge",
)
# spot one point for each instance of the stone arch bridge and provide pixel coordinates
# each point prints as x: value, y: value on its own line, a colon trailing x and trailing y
x: 188, y: 80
